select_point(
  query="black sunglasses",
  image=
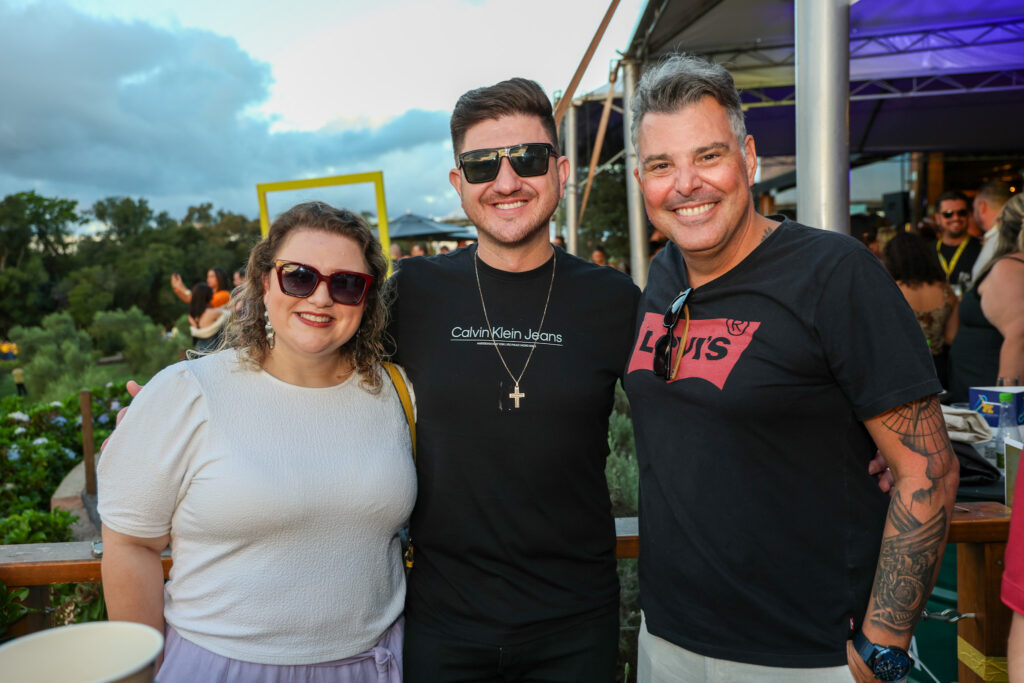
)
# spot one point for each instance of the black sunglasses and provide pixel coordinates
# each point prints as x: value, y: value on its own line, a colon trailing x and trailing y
x: 959, y: 212
x: 300, y: 280
x: 663, y: 347
x: 528, y: 160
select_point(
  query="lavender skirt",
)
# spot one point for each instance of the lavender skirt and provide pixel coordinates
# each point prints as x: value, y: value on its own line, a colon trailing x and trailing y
x: 186, y: 662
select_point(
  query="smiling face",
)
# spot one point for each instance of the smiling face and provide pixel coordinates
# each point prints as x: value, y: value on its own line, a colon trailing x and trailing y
x: 310, y: 331
x: 696, y: 181
x: 953, y: 227
x: 510, y: 211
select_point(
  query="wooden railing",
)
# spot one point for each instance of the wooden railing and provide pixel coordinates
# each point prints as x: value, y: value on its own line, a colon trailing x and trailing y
x: 980, y: 529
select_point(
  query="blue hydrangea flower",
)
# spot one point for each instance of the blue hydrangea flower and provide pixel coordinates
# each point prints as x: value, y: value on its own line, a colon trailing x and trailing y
x: 19, y: 431
x: 13, y: 453
x: 103, y: 419
x: 40, y: 441
x: 59, y: 421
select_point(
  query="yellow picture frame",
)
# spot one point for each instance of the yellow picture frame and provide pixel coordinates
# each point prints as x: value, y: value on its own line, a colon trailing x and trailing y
x: 375, y: 177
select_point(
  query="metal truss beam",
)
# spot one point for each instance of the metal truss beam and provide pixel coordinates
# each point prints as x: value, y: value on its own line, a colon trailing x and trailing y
x: 889, y: 88
x: 862, y: 47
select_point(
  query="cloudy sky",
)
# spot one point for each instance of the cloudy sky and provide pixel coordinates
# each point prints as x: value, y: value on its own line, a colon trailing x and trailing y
x: 189, y: 101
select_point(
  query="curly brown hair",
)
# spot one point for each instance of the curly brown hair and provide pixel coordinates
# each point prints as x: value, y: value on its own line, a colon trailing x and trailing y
x: 246, y: 331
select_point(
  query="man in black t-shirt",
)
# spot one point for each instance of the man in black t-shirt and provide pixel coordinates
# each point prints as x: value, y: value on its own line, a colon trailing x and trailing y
x: 514, y: 349
x: 957, y: 250
x: 770, y: 360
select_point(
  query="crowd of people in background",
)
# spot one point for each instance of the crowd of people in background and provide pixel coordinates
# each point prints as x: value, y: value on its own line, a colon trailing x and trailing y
x: 962, y: 274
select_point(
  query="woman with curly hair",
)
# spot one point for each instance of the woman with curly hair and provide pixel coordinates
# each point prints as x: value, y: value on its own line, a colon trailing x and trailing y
x: 280, y: 471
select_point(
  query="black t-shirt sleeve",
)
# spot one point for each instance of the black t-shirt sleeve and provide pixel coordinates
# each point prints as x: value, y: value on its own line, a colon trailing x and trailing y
x: 872, y: 341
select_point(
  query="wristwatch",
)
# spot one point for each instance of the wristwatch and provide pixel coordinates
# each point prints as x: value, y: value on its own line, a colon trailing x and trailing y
x: 889, y: 663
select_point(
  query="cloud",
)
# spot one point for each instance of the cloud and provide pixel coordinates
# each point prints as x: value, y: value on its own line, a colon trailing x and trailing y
x: 95, y: 107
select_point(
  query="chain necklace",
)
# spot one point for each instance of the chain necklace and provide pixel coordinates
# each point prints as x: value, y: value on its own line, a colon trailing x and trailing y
x: 516, y: 395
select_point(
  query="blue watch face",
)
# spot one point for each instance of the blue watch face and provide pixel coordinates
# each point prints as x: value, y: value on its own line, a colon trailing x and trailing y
x: 890, y: 664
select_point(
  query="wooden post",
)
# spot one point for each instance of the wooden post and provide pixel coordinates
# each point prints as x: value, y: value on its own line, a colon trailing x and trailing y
x: 981, y: 529
x: 88, y: 442
x: 981, y: 641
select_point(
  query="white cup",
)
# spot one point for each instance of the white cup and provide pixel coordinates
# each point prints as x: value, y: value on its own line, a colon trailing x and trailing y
x: 97, y: 652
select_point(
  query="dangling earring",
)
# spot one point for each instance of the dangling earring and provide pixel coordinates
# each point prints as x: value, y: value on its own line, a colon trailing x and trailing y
x: 269, y: 329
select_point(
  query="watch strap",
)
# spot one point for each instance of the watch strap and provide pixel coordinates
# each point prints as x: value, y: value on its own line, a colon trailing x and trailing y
x: 864, y: 647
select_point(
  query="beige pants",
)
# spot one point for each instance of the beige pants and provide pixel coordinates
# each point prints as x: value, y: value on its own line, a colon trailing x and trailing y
x: 659, y: 661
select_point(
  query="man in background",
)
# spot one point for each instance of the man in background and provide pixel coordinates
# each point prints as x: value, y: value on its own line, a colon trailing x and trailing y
x: 988, y: 204
x: 957, y: 250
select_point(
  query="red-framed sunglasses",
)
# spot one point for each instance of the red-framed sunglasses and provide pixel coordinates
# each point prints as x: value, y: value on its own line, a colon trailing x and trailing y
x: 299, y: 280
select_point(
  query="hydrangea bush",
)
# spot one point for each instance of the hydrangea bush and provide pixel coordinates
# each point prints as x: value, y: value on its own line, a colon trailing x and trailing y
x: 39, y: 444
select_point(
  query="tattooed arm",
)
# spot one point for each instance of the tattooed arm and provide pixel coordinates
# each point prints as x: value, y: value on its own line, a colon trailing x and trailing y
x: 914, y: 441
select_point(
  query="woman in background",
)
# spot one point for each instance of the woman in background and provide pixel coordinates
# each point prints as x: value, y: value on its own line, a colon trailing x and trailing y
x: 279, y: 469
x: 990, y: 343
x: 917, y: 271
x: 217, y: 280
x: 205, y: 321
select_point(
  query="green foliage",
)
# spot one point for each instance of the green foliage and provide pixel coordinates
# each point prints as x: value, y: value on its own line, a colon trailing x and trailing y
x: 32, y: 526
x: 34, y: 233
x: 40, y: 443
x: 91, y: 289
x: 109, y: 328
x: 29, y: 220
x: 127, y: 264
x: 57, y: 357
x: 621, y: 470
x: 59, y: 360
x: 77, y: 603
x: 623, y: 478
x: 125, y: 217
x: 11, y: 607
x: 145, y: 347
x: 606, y: 221
x: 629, y: 618
x: 24, y: 293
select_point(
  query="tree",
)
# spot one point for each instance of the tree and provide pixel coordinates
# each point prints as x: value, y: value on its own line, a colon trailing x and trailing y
x: 92, y: 291
x: 606, y: 221
x: 24, y: 293
x: 30, y: 220
x: 34, y: 233
x: 125, y: 218
x: 198, y: 215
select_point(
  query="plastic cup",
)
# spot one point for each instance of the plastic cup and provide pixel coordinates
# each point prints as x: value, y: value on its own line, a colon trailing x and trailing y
x: 97, y: 652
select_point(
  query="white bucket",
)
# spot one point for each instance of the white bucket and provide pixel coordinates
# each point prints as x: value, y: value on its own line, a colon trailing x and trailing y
x: 97, y: 652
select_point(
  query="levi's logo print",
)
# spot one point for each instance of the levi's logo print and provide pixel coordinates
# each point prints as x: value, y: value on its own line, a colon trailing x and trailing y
x: 712, y: 349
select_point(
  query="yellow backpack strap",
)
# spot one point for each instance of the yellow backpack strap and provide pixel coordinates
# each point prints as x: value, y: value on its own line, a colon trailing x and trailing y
x: 403, y: 396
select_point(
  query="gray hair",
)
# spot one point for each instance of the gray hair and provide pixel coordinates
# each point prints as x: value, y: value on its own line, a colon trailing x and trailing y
x: 683, y: 80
